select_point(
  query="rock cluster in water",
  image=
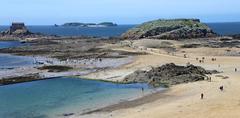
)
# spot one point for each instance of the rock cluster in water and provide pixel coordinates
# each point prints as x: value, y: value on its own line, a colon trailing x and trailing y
x: 169, y: 74
x: 18, y: 31
x: 170, y: 29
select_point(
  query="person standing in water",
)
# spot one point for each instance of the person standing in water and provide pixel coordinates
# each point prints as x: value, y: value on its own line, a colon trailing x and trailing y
x: 142, y: 89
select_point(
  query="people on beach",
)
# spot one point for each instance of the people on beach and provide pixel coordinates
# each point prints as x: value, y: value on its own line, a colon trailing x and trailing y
x: 221, y: 88
x: 209, y: 79
x: 214, y: 59
x: 202, y: 95
x: 188, y: 64
x: 235, y: 69
x: 185, y: 55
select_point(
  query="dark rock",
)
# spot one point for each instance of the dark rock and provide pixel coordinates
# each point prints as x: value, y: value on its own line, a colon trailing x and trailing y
x: 169, y: 74
x: 20, y: 79
x: 55, y: 68
x: 68, y: 114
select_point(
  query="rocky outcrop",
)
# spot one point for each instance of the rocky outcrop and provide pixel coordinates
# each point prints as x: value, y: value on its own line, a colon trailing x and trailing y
x: 170, y: 29
x: 20, y: 79
x: 18, y: 31
x: 169, y: 74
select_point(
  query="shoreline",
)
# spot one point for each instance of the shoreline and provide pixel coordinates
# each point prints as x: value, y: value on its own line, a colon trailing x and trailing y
x: 151, y: 97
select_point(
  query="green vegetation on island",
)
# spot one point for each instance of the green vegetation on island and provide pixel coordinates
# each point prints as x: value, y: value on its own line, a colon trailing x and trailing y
x: 170, y: 29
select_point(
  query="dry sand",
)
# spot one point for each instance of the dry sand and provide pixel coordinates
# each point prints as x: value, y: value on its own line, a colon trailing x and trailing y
x: 182, y: 101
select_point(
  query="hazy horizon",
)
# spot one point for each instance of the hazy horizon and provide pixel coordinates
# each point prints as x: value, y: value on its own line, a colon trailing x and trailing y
x: 49, y: 12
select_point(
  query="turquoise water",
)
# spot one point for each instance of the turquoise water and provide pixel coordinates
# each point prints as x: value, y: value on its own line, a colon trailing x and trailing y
x: 52, y: 98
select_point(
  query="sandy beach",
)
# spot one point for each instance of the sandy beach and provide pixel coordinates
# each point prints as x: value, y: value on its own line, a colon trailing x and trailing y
x: 117, y: 60
x: 181, y: 101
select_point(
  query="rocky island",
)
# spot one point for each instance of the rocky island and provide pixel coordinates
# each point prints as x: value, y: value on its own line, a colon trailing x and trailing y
x: 170, y: 29
x: 77, y: 24
x: 18, y: 31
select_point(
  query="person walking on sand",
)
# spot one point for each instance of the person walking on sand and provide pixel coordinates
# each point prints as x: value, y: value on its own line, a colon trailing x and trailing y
x: 221, y: 88
x: 209, y: 79
x: 202, y: 96
x: 235, y: 69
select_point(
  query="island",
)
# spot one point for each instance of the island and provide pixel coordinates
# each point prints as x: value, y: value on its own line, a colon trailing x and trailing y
x: 77, y: 24
x: 170, y: 29
x: 19, y: 31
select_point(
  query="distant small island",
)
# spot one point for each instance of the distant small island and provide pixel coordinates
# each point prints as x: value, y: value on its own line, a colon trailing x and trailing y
x: 77, y: 24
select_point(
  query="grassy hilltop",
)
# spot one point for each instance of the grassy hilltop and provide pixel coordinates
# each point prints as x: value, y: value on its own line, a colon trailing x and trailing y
x: 170, y: 29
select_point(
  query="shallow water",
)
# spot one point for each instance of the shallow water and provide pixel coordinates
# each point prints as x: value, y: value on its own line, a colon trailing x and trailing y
x: 52, y: 98
x: 12, y: 61
x: 9, y: 44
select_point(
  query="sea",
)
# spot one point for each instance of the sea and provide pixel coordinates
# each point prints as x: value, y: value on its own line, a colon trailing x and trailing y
x: 63, y: 95
x: 78, y: 31
x: 220, y: 28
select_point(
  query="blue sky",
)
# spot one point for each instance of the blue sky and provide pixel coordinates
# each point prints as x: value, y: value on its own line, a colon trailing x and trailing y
x: 45, y: 12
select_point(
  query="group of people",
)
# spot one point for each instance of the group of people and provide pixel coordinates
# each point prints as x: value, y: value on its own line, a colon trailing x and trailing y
x: 220, y: 88
x: 201, y: 60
